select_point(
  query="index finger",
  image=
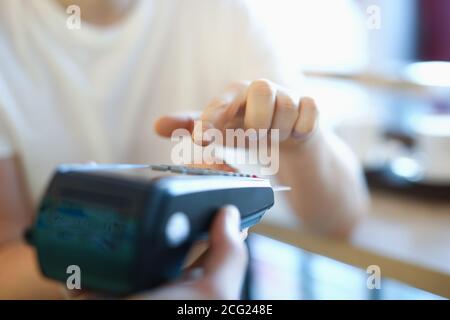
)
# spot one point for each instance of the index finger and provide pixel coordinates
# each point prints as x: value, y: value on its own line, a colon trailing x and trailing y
x: 166, y: 125
x: 220, y: 111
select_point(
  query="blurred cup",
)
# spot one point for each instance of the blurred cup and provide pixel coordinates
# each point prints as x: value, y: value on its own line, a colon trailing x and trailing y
x: 432, y: 147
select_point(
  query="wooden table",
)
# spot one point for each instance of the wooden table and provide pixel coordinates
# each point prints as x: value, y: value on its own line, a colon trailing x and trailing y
x: 408, y: 238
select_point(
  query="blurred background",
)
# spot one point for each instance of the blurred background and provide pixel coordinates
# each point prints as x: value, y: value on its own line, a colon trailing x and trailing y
x: 380, y: 72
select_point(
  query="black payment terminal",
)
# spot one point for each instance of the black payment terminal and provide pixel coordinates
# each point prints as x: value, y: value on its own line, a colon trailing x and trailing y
x: 129, y: 227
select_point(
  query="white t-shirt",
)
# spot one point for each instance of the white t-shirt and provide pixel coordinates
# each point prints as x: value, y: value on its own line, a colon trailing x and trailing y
x: 93, y: 94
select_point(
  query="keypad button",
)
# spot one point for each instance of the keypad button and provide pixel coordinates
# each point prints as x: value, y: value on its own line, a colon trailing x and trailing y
x: 177, y: 169
x: 159, y: 167
x: 199, y: 171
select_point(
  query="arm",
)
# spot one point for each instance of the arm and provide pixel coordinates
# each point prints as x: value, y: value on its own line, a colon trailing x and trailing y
x: 328, y: 188
x: 19, y: 273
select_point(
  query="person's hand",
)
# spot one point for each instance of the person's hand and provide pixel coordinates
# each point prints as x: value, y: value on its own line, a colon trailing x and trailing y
x: 328, y: 187
x: 217, y: 274
x: 260, y: 104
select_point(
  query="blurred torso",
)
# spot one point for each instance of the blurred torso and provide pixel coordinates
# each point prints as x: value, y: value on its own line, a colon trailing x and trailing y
x: 92, y: 94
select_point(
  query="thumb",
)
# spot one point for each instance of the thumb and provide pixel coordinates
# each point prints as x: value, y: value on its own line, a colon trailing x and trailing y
x: 227, y: 254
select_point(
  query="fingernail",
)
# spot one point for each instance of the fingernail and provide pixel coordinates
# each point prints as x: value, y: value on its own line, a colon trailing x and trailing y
x: 233, y: 216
